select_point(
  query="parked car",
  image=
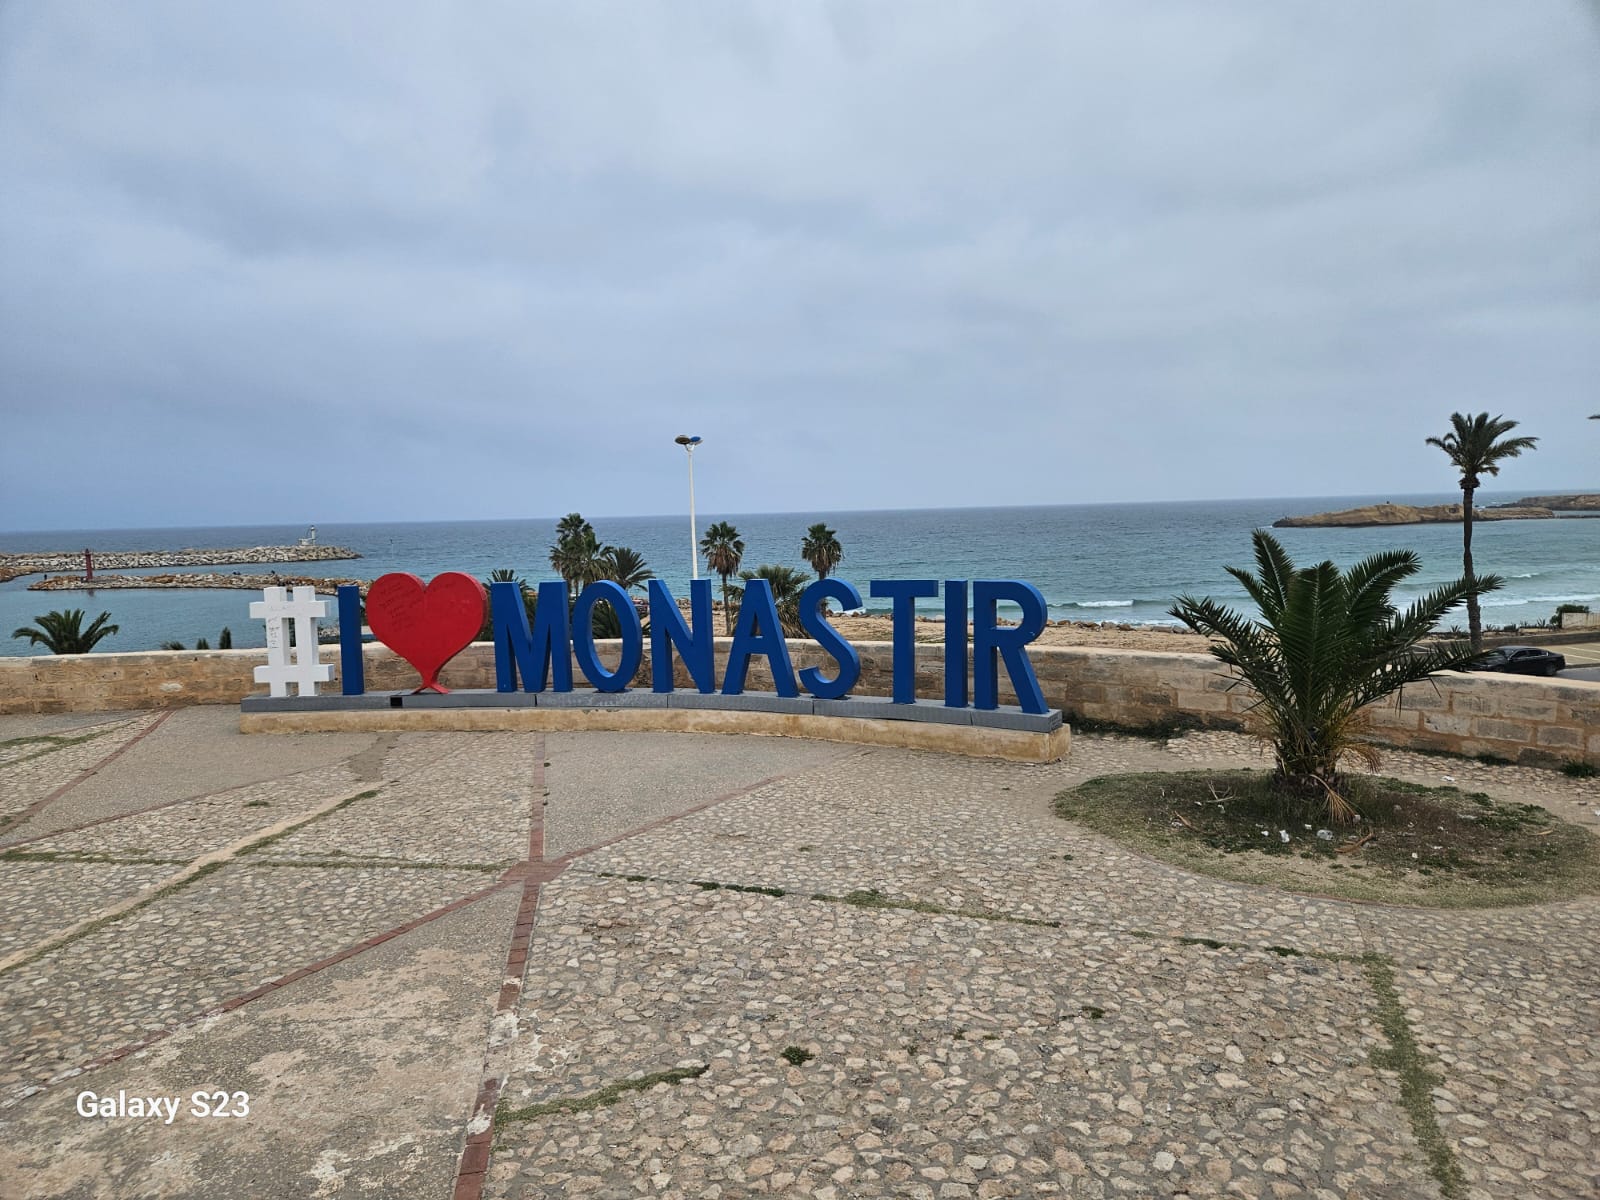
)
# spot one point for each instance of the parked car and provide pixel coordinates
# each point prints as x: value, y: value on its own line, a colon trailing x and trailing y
x: 1520, y: 660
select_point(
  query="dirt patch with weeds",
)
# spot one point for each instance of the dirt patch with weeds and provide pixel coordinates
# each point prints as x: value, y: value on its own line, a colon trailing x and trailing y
x: 1441, y: 847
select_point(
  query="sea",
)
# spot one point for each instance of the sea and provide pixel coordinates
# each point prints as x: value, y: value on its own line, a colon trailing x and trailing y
x: 1122, y: 563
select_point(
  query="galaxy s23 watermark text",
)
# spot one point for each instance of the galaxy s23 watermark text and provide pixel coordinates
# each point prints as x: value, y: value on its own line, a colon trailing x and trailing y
x: 166, y: 1109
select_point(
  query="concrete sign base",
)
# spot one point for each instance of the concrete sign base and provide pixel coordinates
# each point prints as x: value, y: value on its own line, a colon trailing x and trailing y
x: 1006, y: 732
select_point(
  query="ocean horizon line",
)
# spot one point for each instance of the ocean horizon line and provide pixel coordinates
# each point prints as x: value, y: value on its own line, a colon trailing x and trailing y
x: 1370, y: 497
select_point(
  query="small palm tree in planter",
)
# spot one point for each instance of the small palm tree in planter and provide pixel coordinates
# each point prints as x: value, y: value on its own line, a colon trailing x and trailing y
x: 1327, y: 644
x: 63, y: 633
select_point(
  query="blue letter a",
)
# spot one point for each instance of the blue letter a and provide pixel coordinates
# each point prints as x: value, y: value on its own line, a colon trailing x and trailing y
x: 759, y: 632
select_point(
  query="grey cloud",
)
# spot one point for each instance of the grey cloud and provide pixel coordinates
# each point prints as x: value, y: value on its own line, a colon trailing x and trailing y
x: 1055, y: 252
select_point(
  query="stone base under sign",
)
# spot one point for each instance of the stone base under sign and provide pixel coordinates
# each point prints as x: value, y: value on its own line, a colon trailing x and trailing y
x: 1007, y: 732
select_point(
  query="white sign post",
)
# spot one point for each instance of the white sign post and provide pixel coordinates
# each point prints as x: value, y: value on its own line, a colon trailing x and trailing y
x: 305, y: 667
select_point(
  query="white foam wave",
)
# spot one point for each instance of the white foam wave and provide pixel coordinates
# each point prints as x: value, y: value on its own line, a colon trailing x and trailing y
x: 1103, y: 604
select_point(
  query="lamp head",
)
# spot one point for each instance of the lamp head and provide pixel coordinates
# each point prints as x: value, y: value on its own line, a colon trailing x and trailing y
x: 686, y: 441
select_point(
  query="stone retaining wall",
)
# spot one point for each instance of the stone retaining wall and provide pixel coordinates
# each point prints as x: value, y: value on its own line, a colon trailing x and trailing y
x: 1537, y: 721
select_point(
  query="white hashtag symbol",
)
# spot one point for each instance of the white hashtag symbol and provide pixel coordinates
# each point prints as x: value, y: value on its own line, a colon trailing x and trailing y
x: 304, y: 669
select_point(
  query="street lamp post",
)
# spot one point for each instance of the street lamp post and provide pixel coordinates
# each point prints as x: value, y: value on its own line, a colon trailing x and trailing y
x: 689, y: 443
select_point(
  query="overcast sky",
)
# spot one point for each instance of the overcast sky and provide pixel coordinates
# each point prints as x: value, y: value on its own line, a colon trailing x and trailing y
x: 343, y: 262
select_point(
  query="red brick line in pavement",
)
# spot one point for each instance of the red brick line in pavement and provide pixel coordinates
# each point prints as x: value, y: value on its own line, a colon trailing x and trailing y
x: 38, y: 806
x: 534, y: 871
x: 474, y: 1164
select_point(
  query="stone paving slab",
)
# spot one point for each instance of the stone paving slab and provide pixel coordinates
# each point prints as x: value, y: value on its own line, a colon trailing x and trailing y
x: 611, y: 783
x: 1108, y: 1026
x: 189, y: 828
x: 469, y: 803
x: 43, y: 898
x: 194, y: 752
x: 35, y: 739
x: 186, y: 953
x: 866, y: 823
x: 952, y: 1057
x: 1514, y: 1024
x: 35, y: 771
x: 63, y: 724
x: 357, y: 1078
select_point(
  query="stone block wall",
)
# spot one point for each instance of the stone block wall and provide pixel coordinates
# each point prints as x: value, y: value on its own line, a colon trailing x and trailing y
x: 1538, y: 721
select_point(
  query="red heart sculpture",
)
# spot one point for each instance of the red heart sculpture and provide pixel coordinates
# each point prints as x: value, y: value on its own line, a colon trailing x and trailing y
x: 426, y: 626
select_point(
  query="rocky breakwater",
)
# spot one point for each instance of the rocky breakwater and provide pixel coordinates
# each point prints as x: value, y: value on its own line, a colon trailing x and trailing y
x: 1408, y: 514
x: 77, y: 583
x: 13, y: 565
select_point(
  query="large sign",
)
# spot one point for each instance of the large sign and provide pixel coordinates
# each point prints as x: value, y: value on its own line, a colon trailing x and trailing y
x: 427, y: 625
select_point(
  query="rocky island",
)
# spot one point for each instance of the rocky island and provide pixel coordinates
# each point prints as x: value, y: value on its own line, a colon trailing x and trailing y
x: 1580, y: 502
x: 1410, y: 514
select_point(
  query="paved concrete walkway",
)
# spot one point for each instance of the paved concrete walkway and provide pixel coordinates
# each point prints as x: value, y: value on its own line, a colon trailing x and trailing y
x: 710, y: 967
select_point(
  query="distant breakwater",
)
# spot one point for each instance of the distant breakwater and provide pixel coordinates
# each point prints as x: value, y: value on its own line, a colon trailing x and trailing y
x: 77, y: 583
x: 15, y: 565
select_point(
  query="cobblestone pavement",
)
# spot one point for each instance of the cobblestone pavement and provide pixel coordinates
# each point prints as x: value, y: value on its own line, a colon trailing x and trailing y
x: 708, y: 967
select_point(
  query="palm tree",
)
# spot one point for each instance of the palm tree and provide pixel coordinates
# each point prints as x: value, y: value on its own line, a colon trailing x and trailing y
x: 1327, y: 644
x: 724, y: 551
x: 577, y: 555
x: 529, y: 600
x: 63, y: 632
x: 821, y: 549
x: 572, y: 523
x: 1475, y: 446
x: 626, y: 566
x: 787, y: 583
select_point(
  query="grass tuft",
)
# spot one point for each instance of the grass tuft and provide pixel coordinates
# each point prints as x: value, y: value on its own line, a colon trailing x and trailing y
x: 607, y: 1095
x: 1404, y: 1057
